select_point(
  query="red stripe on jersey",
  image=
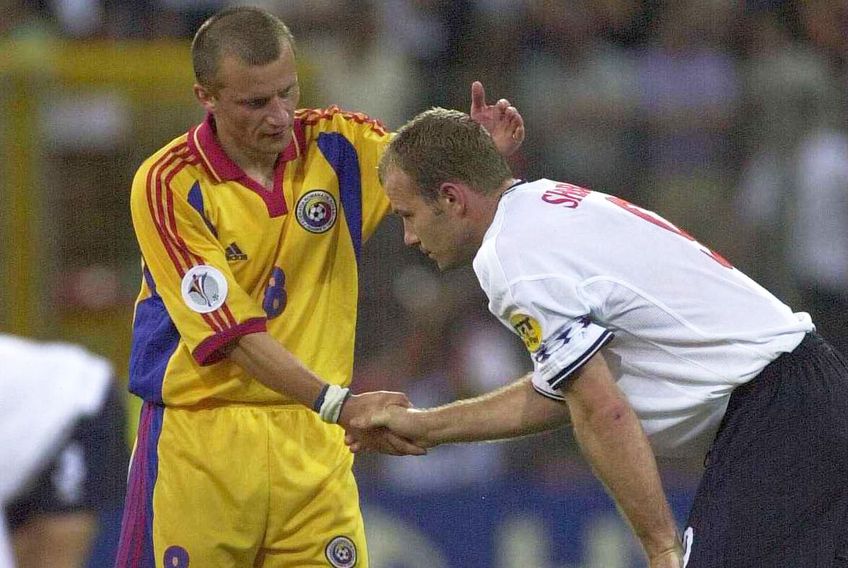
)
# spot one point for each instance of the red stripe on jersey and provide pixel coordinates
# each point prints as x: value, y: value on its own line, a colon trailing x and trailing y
x: 165, y: 205
x: 165, y: 197
x: 227, y: 314
x: 149, y: 188
x: 213, y: 319
x: 161, y: 214
x: 223, y: 317
x: 195, y: 258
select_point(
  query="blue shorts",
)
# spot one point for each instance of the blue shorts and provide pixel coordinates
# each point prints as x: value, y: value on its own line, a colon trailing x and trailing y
x: 775, y: 488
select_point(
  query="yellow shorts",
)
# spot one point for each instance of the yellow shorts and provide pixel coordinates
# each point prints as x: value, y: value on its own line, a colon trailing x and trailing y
x: 240, y: 486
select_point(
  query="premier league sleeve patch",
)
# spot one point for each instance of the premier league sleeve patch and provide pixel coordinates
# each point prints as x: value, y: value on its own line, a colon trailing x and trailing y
x: 341, y: 552
x: 316, y: 211
x: 204, y: 289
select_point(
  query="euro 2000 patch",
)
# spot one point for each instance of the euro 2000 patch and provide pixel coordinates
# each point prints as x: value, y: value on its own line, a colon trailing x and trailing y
x: 204, y: 289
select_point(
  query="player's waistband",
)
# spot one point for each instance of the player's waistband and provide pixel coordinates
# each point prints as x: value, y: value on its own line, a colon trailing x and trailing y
x: 813, y: 345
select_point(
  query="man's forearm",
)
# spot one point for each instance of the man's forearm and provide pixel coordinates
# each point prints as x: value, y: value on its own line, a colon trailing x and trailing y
x: 511, y: 411
x: 614, y: 443
x: 263, y: 358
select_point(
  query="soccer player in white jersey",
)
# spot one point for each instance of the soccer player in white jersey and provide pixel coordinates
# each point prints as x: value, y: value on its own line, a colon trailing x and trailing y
x: 63, y: 452
x: 647, y: 341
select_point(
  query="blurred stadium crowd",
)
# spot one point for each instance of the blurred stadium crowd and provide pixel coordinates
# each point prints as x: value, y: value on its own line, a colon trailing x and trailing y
x: 729, y: 118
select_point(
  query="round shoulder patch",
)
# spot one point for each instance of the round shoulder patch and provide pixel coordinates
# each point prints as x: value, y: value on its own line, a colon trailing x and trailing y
x: 204, y: 289
x: 528, y: 330
x: 341, y: 552
x: 316, y: 211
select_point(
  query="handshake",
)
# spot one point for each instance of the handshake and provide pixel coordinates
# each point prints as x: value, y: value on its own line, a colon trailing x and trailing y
x: 385, y: 422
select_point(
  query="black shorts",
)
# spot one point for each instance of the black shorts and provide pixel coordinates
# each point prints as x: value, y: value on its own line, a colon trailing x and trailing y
x: 88, y: 473
x: 775, y: 490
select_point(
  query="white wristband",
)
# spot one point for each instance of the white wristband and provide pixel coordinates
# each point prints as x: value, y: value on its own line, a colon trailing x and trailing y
x: 331, y: 408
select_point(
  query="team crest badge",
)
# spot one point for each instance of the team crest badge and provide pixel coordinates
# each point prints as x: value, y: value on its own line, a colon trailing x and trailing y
x: 316, y: 211
x: 528, y: 329
x: 341, y: 552
x: 204, y: 289
x: 176, y: 557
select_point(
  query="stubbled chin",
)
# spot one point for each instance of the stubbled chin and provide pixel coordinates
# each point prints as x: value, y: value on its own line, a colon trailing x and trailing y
x: 276, y: 146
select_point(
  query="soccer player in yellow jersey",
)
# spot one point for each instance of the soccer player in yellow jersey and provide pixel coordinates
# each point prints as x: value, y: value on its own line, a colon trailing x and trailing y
x: 250, y: 227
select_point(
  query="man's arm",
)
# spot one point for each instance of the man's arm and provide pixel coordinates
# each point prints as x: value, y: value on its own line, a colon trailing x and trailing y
x: 605, y: 425
x: 273, y: 365
x: 612, y: 439
x: 511, y: 411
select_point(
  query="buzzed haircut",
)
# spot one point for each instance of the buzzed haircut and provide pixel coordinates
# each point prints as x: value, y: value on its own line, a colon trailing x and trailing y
x: 442, y: 145
x: 253, y: 35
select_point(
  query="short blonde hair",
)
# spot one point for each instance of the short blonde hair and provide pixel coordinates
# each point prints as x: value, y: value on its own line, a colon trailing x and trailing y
x: 253, y: 35
x: 442, y: 145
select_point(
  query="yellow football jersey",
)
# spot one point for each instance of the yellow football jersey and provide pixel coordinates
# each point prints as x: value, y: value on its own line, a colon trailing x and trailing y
x: 222, y: 257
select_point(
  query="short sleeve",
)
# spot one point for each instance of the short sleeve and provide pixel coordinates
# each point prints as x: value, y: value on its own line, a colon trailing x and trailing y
x: 547, y: 313
x: 564, y: 351
x: 185, y: 265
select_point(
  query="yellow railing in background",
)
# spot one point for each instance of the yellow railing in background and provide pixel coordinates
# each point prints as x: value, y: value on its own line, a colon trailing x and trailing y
x: 155, y: 79
x: 142, y: 73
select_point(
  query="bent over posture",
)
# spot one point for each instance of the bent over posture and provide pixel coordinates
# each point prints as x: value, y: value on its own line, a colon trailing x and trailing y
x: 648, y: 340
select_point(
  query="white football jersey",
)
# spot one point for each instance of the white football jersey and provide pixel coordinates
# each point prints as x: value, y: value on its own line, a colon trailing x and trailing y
x: 44, y: 389
x: 571, y: 270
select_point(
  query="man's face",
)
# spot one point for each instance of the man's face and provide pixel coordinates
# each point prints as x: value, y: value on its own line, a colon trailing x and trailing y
x: 433, y: 227
x: 254, y: 104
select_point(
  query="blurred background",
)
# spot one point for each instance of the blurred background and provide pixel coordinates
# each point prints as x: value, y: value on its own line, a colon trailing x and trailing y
x: 728, y: 118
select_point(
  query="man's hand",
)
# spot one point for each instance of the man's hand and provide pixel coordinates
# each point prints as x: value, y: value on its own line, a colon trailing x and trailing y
x: 399, y: 421
x: 501, y: 120
x: 357, y: 420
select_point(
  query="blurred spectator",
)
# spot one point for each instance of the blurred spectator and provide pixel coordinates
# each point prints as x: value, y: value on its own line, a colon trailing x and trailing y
x: 20, y: 20
x: 435, y: 34
x: 792, y: 188
x: 824, y: 23
x: 786, y: 85
x: 819, y: 235
x: 578, y: 93
x: 688, y: 92
x: 359, y: 68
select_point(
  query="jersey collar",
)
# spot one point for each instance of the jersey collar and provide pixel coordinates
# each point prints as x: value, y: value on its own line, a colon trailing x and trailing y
x: 203, y: 142
x: 515, y: 184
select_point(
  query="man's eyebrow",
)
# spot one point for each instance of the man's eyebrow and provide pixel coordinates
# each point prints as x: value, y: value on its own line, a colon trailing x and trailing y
x: 250, y: 98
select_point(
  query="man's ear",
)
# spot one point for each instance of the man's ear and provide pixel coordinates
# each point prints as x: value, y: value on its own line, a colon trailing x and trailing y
x: 204, y: 97
x: 453, y: 196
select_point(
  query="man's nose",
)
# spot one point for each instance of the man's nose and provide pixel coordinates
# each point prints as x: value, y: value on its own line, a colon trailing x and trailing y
x: 410, y: 239
x: 280, y: 111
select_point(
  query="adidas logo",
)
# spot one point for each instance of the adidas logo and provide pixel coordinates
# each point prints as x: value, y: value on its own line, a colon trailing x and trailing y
x: 234, y: 252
